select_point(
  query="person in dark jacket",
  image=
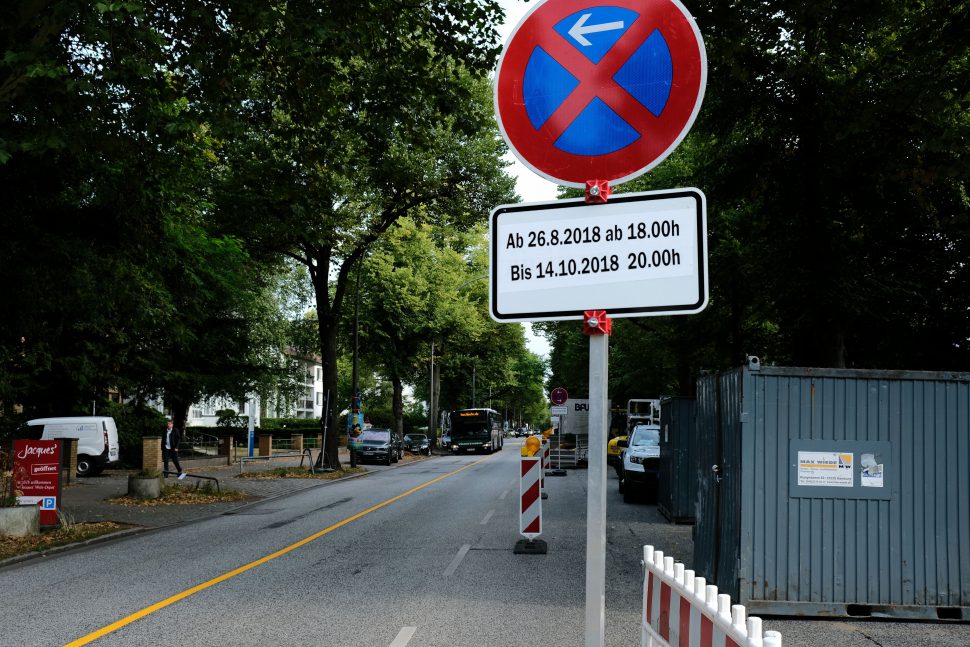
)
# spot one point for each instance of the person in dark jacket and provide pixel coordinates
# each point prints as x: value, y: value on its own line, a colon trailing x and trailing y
x: 170, y: 447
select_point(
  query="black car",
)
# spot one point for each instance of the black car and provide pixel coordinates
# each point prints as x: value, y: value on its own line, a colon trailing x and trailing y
x: 417, y: 443
x: 379, y: 445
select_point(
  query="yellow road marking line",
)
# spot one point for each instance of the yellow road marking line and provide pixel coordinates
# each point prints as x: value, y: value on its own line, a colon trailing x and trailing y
x: 104, y: 631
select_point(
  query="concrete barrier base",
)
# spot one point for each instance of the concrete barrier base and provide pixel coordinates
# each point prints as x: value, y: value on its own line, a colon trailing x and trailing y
x: 530, y: 547
x: 145, y: 488
x: 20, y: 521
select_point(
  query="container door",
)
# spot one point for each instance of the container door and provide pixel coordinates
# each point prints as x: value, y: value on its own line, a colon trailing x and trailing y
x: 717, y: 511
x: 705, y: 504
x: 727, y: 480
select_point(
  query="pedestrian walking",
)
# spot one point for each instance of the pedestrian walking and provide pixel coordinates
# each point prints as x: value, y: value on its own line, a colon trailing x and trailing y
x: 170, y: 447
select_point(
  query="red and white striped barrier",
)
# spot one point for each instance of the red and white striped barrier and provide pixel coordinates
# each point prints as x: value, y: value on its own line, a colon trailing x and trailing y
x: 530, y: 501
x: 681, y: 610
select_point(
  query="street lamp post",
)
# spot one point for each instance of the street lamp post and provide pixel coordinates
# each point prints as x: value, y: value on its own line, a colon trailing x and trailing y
x: 432, y: 436
x: 355, y: 391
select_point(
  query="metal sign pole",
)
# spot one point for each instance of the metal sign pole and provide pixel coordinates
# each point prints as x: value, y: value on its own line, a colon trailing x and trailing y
x: 596, y: 325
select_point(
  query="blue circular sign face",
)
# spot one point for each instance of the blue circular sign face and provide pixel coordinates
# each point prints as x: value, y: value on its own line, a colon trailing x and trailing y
x: 588, y: 91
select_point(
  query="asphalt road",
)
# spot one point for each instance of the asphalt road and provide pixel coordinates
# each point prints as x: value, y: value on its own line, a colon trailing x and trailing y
x: 419, y: 555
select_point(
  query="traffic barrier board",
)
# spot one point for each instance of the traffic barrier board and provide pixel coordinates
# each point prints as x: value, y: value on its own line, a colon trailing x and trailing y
x: 530, y: 501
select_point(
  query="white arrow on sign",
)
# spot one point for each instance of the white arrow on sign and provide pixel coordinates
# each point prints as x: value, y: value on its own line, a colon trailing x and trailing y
x: 579, y: 30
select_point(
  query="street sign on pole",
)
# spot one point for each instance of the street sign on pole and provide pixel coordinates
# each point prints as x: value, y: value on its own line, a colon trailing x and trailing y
x: 587, y: 95
x: 557, y: 410
x: 640, y: 254
x: 559, y: 395
x: 603, y: 90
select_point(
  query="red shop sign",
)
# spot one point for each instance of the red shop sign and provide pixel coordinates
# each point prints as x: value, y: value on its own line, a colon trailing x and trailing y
x: 37, y: 476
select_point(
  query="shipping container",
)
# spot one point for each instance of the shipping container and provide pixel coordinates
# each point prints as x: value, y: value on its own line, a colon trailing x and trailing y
x: 835, y: 491
x: 679, y: 461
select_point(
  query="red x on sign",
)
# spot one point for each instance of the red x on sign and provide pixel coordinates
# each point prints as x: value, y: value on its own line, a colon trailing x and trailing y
x: 588, y: 91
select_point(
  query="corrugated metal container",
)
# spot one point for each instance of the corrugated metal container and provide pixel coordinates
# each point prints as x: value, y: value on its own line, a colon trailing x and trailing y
x: 677, y: 486
x: 840, y: 492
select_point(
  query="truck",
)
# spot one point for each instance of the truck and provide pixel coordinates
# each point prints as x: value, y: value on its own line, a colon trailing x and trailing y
x: 642, y: 412
x: 570, y: 445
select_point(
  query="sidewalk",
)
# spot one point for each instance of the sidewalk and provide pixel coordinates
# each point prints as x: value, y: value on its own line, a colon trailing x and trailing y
x: 85, y: 499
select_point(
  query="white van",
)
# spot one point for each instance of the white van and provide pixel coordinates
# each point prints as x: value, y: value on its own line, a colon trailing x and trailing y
x: 97, y: 439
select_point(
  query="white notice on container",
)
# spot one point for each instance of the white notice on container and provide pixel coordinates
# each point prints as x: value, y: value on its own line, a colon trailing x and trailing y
x: 871, y: 474
x: 825, y: 469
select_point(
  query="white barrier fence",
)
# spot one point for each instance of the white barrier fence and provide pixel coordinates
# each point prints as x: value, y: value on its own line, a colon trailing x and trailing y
x: 682, y: 610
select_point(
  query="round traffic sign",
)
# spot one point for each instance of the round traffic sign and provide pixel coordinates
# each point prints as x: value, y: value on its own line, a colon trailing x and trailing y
x: 606, y: 91
x: 558, y: 395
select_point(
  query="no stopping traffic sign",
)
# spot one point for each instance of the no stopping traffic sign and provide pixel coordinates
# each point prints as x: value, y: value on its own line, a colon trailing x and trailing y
x: 600, y: 90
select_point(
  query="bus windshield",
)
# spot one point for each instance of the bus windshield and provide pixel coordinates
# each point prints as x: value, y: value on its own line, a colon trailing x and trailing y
x: 470, y: 429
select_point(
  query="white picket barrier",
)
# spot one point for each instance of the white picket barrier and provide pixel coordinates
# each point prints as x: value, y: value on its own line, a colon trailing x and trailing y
x: 682, y: 610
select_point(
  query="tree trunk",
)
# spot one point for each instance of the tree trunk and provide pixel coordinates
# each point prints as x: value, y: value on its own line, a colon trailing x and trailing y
x: 397, y: 407
x: 328, y: 352
x: 180, y: 410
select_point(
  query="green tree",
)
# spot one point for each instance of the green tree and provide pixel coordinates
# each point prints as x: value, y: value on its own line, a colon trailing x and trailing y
x: 837, y: 133
x: 113, y: 280
x: 340, y: 129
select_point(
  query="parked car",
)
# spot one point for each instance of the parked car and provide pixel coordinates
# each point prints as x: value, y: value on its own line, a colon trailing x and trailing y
x: 97, y: 439
x: 380, y: 445
x: 641, y: 461
x: 417, y: 443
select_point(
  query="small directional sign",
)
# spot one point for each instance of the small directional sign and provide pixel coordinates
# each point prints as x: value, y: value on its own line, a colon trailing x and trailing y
x: 600, y: 91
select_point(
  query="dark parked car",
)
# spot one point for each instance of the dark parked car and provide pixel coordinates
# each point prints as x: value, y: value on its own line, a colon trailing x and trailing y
x: 380, y: 445
x: 417, y: 443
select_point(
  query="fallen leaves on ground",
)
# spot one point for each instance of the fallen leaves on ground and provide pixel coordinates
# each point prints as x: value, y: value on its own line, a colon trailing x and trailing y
x: 300, y: 473
x: 62, y: 536
x: 182, y: 495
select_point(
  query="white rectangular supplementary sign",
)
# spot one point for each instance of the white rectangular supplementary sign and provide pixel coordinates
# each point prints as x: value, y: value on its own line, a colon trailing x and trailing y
x: 640, y: 254
x: 557, y: 410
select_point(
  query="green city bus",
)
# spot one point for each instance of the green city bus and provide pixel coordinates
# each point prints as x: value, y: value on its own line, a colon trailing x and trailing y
x: 474, y: 430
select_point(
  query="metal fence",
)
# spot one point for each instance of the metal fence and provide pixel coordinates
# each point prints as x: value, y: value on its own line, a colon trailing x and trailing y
x: 196, y: 443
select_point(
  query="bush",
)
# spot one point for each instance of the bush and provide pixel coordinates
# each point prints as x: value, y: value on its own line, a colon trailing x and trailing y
x: 230, y: 420
x: 287, y: 426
